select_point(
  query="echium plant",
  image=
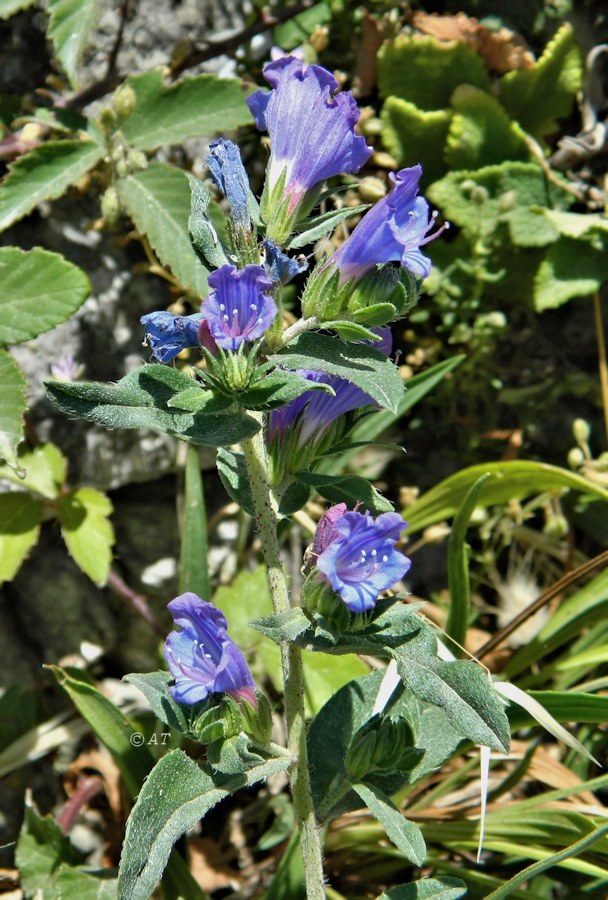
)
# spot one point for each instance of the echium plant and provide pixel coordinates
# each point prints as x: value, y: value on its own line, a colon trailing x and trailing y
x: 287, y: 396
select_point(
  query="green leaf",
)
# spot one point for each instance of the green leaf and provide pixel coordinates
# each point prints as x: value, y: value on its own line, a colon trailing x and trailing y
x: 277, y: 389
x: 8, y: 8
x: 81, y: 884
x: 20, y: 516
x: 158, y: 201
x: 350, y: 489
x: 44, y: 173
x: 70, y: 23
x: 352, y: 331
x: 13, y: 405
x: 319, y: 226
x: 298, y: 30
x: 233, y: 473
x: 155, y: 687
x: 84, y: 517
x: 41, y: 470
x: 460, y: 688
x: 427, y: 888
x: 193, y: 565
x: 363, y: 366
x: 112, y: 728
x: 512, y: 481
x: 193, y: 107
x: 41, y: 848
x: 570, y: 269
x: 404, y: 834
x: 481, y: 133
x: 39, y: 290
x: 176, y: 795
x: 427, y: 72
x: 201, y: 230
x: 140, y: 400
x: 411, y: 134
x: 537, y: 97
x: 197, y: 399
x: 565, y: 706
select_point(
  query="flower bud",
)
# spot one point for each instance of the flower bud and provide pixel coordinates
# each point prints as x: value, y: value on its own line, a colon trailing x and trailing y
x: 110, y: 207
x: 319, y: 596
x: 124, y: 100
x: 136, y: 160
x: 581, y: 431
x: 576, y: 458
x: 213, y: 723
x: 381, y: 746
x: 556, y: 526
x: 258, y: 722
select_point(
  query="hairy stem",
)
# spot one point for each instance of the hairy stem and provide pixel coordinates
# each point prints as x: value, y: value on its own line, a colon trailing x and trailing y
x: 291, y: 656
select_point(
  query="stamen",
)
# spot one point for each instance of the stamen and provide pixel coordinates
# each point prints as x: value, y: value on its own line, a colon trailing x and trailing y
x: 253, y: 307
x: 385, y: 558
x: 235, y: 312
x: 222, y: 307
x: 226, y: 318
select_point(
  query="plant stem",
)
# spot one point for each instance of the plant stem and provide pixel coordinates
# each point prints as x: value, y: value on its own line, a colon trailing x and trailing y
x: 265, y: 505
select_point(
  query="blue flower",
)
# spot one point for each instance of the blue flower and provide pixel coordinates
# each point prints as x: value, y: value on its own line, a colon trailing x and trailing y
x: 280, y: 266
x: 228, y: 173
x: 393, y: 230
x: 167, y: 334
x: 359, y: 558
x: 311, y: 131
x: 238, y: 309
x: 201, y: 657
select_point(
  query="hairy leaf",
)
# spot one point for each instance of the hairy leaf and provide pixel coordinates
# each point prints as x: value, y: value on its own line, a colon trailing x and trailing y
x: 404, y: 834
x: 13, y: 404
x: 570, y: 269
x: 70, y: 23
x: 277, y: 389
x: 481, y: 133
x: 427, y: 889
x: 411, y: 134
x: 350, y: 489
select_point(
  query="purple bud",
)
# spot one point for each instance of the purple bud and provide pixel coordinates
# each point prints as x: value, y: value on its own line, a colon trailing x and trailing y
x: 238, y: 309
x: 201, y: 657
x: 167, y: 334
x: 280, y: 266
x: 326, y: 532
x: 228, y: 173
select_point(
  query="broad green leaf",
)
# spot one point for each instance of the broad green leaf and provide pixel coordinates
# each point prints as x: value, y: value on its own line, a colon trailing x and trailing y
x: 13, y: 404
x: 537, y: 97
x: 570, y: 269
x: 404, y: 834
x: 591, y: 226
x: 154, y: 685
x: 411, y: 134
x: 513, y: 481
x: 233, y: 473
x: 193, y: 566
x: 84, y: 884
x: 193, y: 107
x: 8, y: 8
x: 350, y: 489
x: 176, y: 795
x: 158, y: 201
x: 427, y: 889
x: 277, y: 389
x: 70, y: 23
x: 367, y: 368
x: 426, y: 72
x: 41, y: 848
x: 39, y: 290
x: 41, y: 470
x: 44, y: 173
x: 140, y: 400
x: 298, y: 30
x: 111, y: 726
x: 20, y: 516
x: 481, y: 133
x: 86, y: 528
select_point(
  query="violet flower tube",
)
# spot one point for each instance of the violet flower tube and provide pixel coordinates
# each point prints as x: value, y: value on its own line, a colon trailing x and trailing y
x: 201, y: 657
x: 358, y: 558
x: 311, y: 131
x: 239, y: 309
x: 228, y: 173
x: 168, y: 334
x: 393, y: 230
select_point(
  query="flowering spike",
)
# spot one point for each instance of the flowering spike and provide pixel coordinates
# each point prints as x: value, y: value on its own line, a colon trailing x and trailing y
x: 201, y: 657
x: 168, y: 334
x: 238, y: 309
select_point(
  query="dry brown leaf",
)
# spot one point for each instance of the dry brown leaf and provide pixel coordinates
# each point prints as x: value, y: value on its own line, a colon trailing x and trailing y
x: 100, y: 761
x: 209, y: 866
x: 501, y: 50
x: 365, y: 75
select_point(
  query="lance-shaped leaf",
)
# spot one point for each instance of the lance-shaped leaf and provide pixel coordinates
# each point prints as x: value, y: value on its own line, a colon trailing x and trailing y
x: 176, y: 795
x: 233, y: 473
x: 314, y: 229
x: 202, y: 232
x: 140, y: 400
x: 369, y: 369
x: 155, y: 687
x: 277, y: 389
x: 158, y: 201
x: 350, y: 489
x: 39, y: 290
x: 87, y: 531
x: 12, y: 407
x: 44, y: 174
x: 70, y: 23
x: 428, y: 889
x: 403, y: 833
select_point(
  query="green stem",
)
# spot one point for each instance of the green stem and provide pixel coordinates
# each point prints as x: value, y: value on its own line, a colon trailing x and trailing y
x: 291, y: 656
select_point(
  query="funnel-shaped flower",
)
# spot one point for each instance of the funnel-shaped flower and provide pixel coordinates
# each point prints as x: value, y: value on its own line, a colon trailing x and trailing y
x: 168, y: 334
x: 238, y: 309
x: 201, y: 657
x: 228, y: 173
x: 360, y: 560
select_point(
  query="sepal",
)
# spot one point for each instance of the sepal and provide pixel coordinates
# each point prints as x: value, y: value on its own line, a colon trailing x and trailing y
x: 381, y: 746
x: 203, y: 235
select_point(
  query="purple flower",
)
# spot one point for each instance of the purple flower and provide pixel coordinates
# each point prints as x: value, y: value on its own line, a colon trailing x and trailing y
x: 228, y: 173
x: 167, y: 334
x: 280, y: 266
x: 238, y: 309
x: 312, y: 132
x: 392, y: 231
x: 360, y: 560
x: 201, y: 657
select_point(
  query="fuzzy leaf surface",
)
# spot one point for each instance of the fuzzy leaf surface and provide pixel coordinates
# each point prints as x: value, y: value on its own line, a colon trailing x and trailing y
x: 13, y: 405
x: 481, y: 133
x: 277, y: 389
x: 428, y: 889
x: 404, y: 834
x: 70, y: 23
x: 570, y: 269
x: 411, y: 134
x: 350, y: 489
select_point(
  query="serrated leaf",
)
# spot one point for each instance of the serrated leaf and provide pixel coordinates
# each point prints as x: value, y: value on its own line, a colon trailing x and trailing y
x: 176, y: 795
x: 70, y: 23
x: 427, y: 889
x: 481, y: 133
x: 319, y: 226
x: 41, y: 470
x: 158, y: 201
x: 39, y: 290
x: 13, y: 405
x: 404, y: 834
x: 411, y: 134
x: 8, y: 8
x: 139, y: 400
x: 350, y: 489
x: 193, y: 107
x: 570, y: 269
x: 426, y: 72
x: 369, y: 369
x: 538, y: 96
x: 513, y: 481
x: 44, y: 173
x: 20, y: 516
x: 84, y: 517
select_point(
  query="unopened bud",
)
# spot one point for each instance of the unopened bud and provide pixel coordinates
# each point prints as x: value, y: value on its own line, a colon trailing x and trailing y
x: 136, y: 160
x: 382, y: 745
x: 479, y: 195
x: 556, y: 526
x: 581, y: 431
x: 124, y: 100
x: 258, y: 722
x: 576, y: 458
x: 110, y: 207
